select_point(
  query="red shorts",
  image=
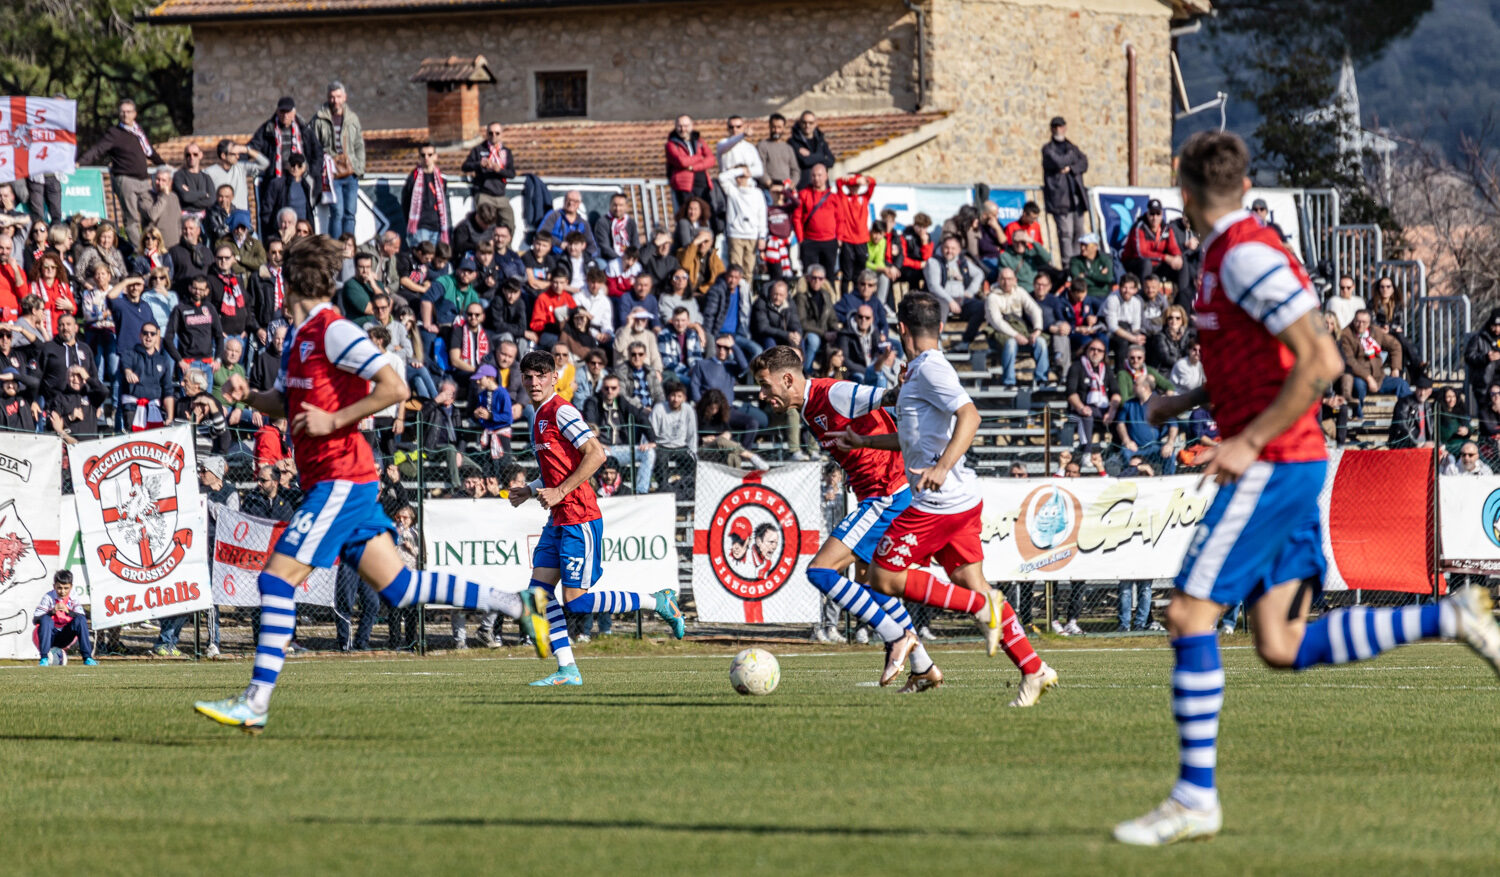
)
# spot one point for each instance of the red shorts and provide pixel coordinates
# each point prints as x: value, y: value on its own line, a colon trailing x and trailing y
x: 918, y: 538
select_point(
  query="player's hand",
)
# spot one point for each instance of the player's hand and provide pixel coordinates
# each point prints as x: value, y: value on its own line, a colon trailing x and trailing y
x: 549, y: 497
x: 234, y: 391
x: 931, y: 478
x: 1229, y: 460
x: 519, y: 495
x: 313, y: 421
x: 1159, y: 411
x: 846, y: 440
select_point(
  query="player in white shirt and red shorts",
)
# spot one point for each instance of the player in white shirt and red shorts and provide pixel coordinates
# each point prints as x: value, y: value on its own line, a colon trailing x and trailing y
x: 935, y: 423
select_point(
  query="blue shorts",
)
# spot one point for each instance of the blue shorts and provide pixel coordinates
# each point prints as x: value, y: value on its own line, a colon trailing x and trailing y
x: 575, y: 550
x: 1261, y: 531
x: 335, y: 519
x: 862, y: 528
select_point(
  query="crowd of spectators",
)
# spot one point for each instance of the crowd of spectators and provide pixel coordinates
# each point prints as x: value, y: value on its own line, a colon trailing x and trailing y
x: 105, y: 329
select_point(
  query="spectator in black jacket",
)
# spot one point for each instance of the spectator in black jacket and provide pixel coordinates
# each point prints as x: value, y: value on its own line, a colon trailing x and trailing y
x: 195, y: 337
x: 73, y: 413
x: 615, y: 418
x: 130, y: 156
x: 266, y: 500
x: 191, y: 256
x: 476, y: 228
x: 773, y: 320
x: 20, y: 366
x: 1413, y: 422
x: 1482, y: 357
x: 811, y: 148
x: 1063, y: 166
x: 508, y: 317
x: 440, y: 429
x: 859, y: 340
x: 16, y: 411
x: 293, y: 190
x: 194, y: 188
x: 268, y: 361
x: 616, y: 231
x: 659, y: 261
x: 61, y: 357
x: 491, y: 166
x: 148, y: 392
x: 277, y: 138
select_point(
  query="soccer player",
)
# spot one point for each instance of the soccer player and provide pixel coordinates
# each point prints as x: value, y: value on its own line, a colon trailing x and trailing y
x: 569, y: 454
x: 1267, y: 358
x: 878, y: 480
x: 935, y: 424
x: 324, y: 385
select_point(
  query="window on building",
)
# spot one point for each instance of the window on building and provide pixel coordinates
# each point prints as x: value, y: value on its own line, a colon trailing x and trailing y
x: 561, y: 93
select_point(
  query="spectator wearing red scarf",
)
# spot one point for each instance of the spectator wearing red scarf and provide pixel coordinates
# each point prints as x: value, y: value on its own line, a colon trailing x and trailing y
x: 424, y: 201
x: 49, y: 282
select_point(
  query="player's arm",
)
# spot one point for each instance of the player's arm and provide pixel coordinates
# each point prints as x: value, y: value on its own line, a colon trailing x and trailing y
x: 269, y: 402
x: 1317, y: 365
x: 593, y: 458
x: 848, y: 439
x: 1162, y: 409
x: 965, y: 427
x: 389, y: 389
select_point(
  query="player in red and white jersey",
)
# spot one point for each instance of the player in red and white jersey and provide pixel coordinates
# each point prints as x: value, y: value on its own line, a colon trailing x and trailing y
x: 571, y: 548
x: 935, y: 423
x: 1267, y: 360
x: 328, y: 366
x: 829, y: 408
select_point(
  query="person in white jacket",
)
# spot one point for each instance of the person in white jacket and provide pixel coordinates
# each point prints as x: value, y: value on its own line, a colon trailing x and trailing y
x: 736, y: 151
x: 746, y: 210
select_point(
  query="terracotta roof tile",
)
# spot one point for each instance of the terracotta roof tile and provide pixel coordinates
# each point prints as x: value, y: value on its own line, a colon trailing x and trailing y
x: 454, y: 69
x: 188, y: 11
x: 595, y: 149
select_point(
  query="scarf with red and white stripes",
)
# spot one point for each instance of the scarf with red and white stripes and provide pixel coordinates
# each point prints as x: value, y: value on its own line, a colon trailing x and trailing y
x: 234, y: 297
x: 475, y: 345
x: 139, y: 135
x: 278, y: 286
x: 440, y: 195
x: 296, y: 143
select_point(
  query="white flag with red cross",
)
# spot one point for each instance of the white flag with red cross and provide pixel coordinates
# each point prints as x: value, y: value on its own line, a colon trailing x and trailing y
x: 38, y: 135
x: 753, y: 534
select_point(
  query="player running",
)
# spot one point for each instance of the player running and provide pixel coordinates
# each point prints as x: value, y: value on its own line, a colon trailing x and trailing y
x: 878, y: 480
x: 324, y: 384
x: 935, y: 424
x: 569, y: 454
x: 1268, y: 358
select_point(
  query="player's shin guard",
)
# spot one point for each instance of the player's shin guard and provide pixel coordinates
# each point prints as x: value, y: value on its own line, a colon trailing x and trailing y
x: 411, y: 587
x: 921, y: 587
x: 608, y: 602
x: 278, y: 619
x: 1013, y: 640
x: 857, y: 600
x: 1197, y: 696
x: 562, y: 645
x: 921, y: 662
x: 1359, y: 632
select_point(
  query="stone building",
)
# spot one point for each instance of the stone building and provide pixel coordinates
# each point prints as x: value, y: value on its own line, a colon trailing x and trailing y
x: 955, y: 91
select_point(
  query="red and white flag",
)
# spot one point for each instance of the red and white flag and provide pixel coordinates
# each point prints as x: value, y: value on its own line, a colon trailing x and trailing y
x: 38, y: 135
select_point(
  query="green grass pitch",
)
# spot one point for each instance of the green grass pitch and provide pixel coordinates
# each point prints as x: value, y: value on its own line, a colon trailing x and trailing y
x: 450, y: 765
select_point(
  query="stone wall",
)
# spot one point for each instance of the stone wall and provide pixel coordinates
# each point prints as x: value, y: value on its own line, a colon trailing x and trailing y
x: 1004, y: 68
x: 648, y: 62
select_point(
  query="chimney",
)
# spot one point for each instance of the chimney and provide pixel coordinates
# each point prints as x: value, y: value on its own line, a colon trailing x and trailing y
x: 453, y: 97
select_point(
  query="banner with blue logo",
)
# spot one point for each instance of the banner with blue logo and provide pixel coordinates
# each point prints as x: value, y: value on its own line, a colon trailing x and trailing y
x: 1119, y: 208
x: 1010, y: 202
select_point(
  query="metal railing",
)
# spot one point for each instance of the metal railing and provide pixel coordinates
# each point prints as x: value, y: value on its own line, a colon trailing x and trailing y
x: 1319, y: 215
x: 1440, y: 325
x: 1356, y: 251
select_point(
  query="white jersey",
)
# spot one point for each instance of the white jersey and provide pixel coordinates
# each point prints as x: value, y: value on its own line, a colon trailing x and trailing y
x: 925, y: 407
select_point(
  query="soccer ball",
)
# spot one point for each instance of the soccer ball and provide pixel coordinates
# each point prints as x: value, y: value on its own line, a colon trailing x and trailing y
x: 59, y: 658
x: 754, y: 671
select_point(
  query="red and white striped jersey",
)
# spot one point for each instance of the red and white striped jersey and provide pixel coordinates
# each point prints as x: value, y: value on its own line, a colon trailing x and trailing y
x: 328, y: 362
x: 1253, y: 288
x: 558, y: 433
x: 834, y: 406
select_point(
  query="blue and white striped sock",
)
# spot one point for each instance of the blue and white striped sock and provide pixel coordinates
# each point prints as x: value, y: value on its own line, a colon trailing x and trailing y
x: 1359, y: 632
x: 608, y: 602
x: 921, y: 662
x: 411, y: 587
x: 278, y: 619
x: 856, y: 599
x: 1197, y: 696
x: 562, y: 645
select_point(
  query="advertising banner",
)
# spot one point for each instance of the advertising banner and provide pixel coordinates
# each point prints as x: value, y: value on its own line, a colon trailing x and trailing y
x: 143, y: 524
x: 1119, y: 207
x: 37, y: 136
x: 640, y: 552
x: 938, y: 202
x: 242, y: 544
x: 30, y: 549
x: 1469, y: 507
x: 754, y: 533
x: 1077, y: 529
